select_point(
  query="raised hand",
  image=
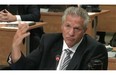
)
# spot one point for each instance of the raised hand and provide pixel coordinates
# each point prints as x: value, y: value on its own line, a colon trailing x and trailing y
x: 17, y: 41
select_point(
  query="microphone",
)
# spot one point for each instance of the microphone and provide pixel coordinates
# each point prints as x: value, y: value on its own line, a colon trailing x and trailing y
x: 57, y: 59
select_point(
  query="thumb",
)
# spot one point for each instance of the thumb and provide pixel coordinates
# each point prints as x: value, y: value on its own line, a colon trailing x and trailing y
x: 6, y: 11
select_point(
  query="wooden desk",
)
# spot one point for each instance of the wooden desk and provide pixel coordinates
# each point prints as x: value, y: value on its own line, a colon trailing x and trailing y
x: 53, y: 20
x: 6, y: 36
x: 112, y: 62
x: 10, y: 28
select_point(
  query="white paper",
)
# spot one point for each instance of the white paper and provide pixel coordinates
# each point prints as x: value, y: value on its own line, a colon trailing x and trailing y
x: 16, y: 22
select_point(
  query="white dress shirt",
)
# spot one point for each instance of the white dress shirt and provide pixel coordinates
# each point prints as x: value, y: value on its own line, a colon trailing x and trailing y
x: 63, y: 55
x: 18, y: 18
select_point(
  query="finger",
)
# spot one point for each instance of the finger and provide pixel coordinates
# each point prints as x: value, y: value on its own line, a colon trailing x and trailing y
x: 2, y: 11
x: 19, y: 38
x: 6, y: 11
x: 25, y: 35
x: 22, y: 32
x: 3, y: 14
x: 23, y: 27
x: 3, y: 18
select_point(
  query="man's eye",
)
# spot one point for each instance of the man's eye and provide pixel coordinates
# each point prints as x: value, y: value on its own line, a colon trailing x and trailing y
x: 76, y: 28
x: 67, y: 25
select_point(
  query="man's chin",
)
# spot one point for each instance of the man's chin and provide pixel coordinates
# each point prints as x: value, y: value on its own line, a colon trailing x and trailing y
x: 70, y: 44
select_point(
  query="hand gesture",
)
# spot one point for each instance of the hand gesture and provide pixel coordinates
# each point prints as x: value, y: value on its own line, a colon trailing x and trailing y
x: 17, y: 41
x: 6, y: 16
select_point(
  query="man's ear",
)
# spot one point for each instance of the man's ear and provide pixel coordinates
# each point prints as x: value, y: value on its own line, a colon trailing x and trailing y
x: 85, y: 29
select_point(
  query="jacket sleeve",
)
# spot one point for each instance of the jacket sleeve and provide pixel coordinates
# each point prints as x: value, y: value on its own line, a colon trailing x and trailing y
x: 101, y: 55
x: 32, y: 13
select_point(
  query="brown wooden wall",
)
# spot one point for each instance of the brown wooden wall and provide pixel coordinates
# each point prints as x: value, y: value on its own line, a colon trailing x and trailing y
x: 6, y: 38
x: 107, y: 22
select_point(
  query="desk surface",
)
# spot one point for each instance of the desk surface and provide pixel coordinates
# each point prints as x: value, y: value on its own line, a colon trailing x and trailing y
x: 91, y: 14
x: 14, y: 27
x: 98, y: 13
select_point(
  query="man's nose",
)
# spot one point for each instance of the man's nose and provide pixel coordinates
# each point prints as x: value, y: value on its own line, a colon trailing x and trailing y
x: 71, y: 32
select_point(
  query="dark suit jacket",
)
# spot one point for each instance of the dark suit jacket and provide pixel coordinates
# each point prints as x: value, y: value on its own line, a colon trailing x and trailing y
x: 44, y: 57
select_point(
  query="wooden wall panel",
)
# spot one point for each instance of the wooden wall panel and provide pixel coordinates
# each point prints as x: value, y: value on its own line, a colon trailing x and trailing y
x: 6, y: 38
x: 107, y: 22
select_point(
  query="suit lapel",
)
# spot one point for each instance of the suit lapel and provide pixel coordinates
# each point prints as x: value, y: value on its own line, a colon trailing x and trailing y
x: 57, y: 48
x: 56, y: 52
x: 77, y: 57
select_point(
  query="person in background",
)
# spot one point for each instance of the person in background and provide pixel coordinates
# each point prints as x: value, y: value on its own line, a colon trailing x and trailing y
x: 101, y: 37
x: 72, y: 44
x: 10, y: 13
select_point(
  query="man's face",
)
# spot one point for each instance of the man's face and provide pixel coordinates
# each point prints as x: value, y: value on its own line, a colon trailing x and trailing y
x: 73, y: 30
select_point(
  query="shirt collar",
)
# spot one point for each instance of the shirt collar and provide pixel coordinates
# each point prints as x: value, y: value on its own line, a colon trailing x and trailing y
x: 73, y: 49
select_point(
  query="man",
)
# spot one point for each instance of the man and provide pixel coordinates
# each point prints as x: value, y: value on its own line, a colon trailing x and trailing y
x: 53, y: 49
x: 10, y: 13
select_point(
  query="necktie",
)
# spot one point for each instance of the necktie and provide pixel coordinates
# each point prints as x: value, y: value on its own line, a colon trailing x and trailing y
x: 66, y: 60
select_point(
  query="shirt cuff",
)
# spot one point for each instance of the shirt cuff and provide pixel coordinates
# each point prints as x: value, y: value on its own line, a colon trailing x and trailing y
x: 18, y: 18
x: 9, y: 60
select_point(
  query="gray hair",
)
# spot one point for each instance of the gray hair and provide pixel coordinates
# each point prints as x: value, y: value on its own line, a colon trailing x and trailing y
x: 77, y: 11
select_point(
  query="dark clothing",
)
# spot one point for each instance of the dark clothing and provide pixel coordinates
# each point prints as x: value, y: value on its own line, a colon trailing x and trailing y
x: 28, y: 13
x: 44, y: 57
x: 101, y: 37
